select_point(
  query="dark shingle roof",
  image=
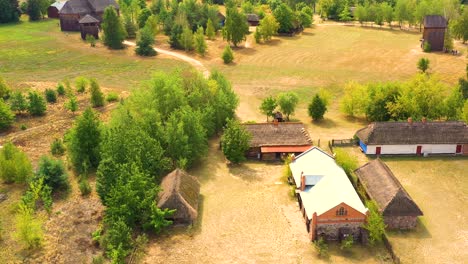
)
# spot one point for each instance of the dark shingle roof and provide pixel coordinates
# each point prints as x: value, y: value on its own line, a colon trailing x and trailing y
x: 253, y: 18
x: 88, y: 19
x: 384, y: 133
x: 282, y: 134
x: 100, y: 5
x: 86, y: 6
x: 180, y: 191
x: 435, y: 21
x: 383, y: 187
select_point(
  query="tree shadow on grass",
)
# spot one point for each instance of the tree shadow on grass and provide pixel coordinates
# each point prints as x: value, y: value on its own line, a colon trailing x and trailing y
x: 325, y: 123
x: 244, y: 172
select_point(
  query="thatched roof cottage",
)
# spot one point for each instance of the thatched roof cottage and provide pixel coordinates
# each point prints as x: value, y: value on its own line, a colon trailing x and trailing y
x: 272, y: 141
x: 397, y: 207
x: 180, y: 191
x: 410, y: 137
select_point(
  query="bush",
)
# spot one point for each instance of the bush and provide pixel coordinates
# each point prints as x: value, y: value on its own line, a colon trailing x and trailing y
x: 51, y: 96
x: 112, y: 97
x: 321, y: 247
x: 347, y: 243
x: 57, y: 148
x: 427, y: 47
x: 375, y: 223
x: 85, y: 188
x: 91, y: 40
x: 346, y: 161
x: 23, y: 127
x: 6, y: 116
x: 4, y: 89
x: 72, y: 104
x: 423, y: 64
x: 98, y: 259
x: 18, y: 102
x: 80, y: 84
x: 14, y: 165
x: 60, y: 89
x: 28, y: 228
x: 317, y: 108
x: 97, y: 97
x: 227, y: 56
x: 53, y: 172
x: 235, y: 141
x: 37, y: 105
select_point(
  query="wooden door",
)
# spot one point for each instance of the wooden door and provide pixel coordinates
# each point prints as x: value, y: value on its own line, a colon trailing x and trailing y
x: 459, y: 149
x: 378, y: 150
x: 418, y: 150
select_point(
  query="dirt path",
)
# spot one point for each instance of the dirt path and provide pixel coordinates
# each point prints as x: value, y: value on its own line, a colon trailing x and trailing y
x: 196, y: 63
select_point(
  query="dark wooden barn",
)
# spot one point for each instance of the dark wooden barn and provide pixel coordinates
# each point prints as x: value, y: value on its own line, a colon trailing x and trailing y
x: 434, y: 31
x: 396, y: 205
x: 74, y: 10
x: 89, y: 26
x: 54, y: 9
x: 253, y: 20
x: 180, y: 191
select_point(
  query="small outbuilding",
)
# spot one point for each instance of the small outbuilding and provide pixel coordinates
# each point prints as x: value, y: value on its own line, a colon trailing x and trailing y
x: 397, y: 207
x: 273, y: 141
x: 54, y: 9
x: 180, y: 191
x: 89, y: 26
x: 434, y: 31
x: 253, y: 20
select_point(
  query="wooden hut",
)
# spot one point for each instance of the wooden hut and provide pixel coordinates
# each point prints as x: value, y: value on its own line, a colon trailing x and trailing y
x: 396, y: 205
x: 253, y: 20
x: 89, y: 26
x: 272, y: 141
x: 54, y: 9
x: 74, y: 10
x: 434, y: 31
x: 180, y: 191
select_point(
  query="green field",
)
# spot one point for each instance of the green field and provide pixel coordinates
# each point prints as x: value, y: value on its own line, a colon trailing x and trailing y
x: 39, y: 51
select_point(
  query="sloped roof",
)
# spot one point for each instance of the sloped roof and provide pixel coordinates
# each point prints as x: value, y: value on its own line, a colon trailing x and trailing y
x: 253, y: 18
x: 331, y: 185
x: 100, y: 5
x: 394, y: 133
x: 383, y: 187
x: 180, y: 191
x: 58, y: 5
x: 88, y: 19
x: 86, y: 6
x: 281, y: 134
x: 435, y: 21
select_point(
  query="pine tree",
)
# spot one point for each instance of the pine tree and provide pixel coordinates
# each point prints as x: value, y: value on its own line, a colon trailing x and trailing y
x: 97, y: 97
x: 210, y: 30
x: 145, y: 42
x: 18, y: 102
x: 186, y: 39
x: 200, y: 43
x: 6, y: 116
x: 227, y: 56
x: 317, y: 108
x: 9, y: 11
x: 34, y: 10
x: 236, y: 27
x: 345, y: 15
x: 114, y: 32
x: 37, y: 105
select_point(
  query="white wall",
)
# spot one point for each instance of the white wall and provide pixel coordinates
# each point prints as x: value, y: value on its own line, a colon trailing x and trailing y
x: 411, y: 149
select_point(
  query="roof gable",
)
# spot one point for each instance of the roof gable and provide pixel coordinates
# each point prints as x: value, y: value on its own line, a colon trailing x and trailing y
x: 280, y: 134
x: 404, y: 133
x: 383, y: 187
x: 88, y: 19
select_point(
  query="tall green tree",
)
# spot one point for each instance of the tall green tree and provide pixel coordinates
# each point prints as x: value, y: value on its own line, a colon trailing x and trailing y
x: 235, y: 141
x: 236, y: 27
x: 37, y: 105
x: 34, y: 10
x: 83, y: 142
x: 114, y: 32
x: 97, y: 97
x: 145, y: 42
x: 268, y: 106
x: 268, y: 27
x: 9, y: 11
x: 6, y: 116
x: 317, y: 108
x: 459, y: 26
x: 210, y: 30
x: 345, y: 14
x: 145, y: 13
x: 200, y: 43
x: 186, y: 39
x: 18, y: 102
x: 287, y: 102
x: 284, y: 15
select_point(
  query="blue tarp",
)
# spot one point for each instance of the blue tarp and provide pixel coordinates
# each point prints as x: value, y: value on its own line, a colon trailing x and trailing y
x: 363, y: 146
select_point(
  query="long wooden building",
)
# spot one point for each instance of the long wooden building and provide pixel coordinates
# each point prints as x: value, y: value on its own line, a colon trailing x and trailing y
x: 74, y: 10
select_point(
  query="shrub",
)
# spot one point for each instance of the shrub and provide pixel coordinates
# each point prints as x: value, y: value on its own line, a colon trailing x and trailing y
x: 97, y: 97
x: 6, y: 115
x: 53, y: 172
x: 14, y: 165
x: 23, y: 127
x: 235, y: 141
x: 28, y: 228
x: 346, y: 161
x: 80, y: 84
x: 85, y: 188
x: 112, y: 97
x: 227, y: 56
x: 375, y: 223
x: 317, y: 108
x: 321, y: 247
x: 57, y: 148
x: 200, y: 43
x: 91, y: 40
x: 98, y: 259
x: 18, y: 102
x: 347, y: 243
x: 427, y: 47
x: 145, y: 42
x: 210, y: 30
x: 37, y: 105
x: 72, y: 104
x: 423, y: 64
x: 60, y: 89
x: 51, y: 96
x: 4, y: 89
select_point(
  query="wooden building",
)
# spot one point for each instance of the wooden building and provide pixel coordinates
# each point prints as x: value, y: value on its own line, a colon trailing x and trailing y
x: 74, y: 10
x: 328, y: 201
x: 180, y: 191
x: 414, y: 138
x: 89, y: 26
x: 434, y: 31
x: 396, y: 205
x: 54, y: 9
x: 253, y: 20
x: 273, y: 141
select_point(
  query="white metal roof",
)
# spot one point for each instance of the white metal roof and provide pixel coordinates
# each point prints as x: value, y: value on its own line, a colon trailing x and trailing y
x: 331, y: 185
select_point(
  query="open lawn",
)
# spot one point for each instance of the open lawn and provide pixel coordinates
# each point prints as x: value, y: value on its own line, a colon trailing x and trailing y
x: 39, y: 51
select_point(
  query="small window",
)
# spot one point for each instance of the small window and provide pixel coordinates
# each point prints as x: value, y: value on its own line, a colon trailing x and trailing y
x: 341, y: 212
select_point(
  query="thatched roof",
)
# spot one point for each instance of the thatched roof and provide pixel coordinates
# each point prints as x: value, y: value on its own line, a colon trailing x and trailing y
x: 397, y: 133
x: 253, y: 18
x: 180, y: 191
x: 383, y: 187
x: 279, y: 134
x: 82, y: 7
x: 435, y: 21
x: 88, y: 19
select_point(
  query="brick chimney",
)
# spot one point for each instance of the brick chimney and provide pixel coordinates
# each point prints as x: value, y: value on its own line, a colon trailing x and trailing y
x: 410, y: 120
x: 303, y: 181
